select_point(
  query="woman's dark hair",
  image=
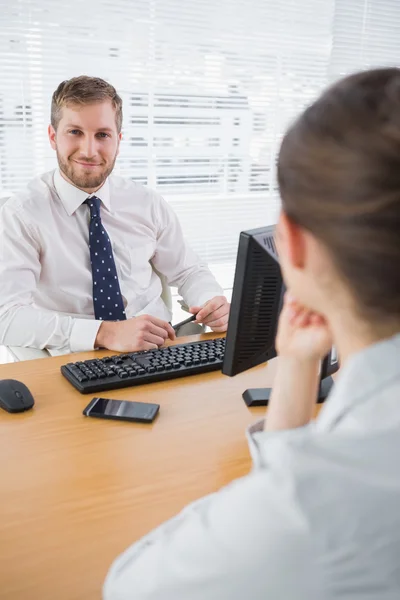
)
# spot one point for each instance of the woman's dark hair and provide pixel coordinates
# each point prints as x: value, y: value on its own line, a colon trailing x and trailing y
x: 339, y: 178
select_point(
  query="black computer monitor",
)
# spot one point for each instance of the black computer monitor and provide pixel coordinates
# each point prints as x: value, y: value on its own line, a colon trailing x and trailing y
x: 257, y: 299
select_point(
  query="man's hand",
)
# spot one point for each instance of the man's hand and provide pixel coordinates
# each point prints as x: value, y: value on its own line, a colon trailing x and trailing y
x: 139, y: 333
x: 214, y: 313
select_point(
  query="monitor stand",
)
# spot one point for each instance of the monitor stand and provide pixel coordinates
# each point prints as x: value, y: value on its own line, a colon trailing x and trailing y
x: 261, y: 396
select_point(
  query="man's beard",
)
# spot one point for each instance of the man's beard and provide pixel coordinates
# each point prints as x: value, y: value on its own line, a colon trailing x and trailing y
x: 85, y: 180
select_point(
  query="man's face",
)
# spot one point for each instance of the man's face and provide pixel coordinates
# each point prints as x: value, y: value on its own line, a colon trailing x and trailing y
x: 87, y: 144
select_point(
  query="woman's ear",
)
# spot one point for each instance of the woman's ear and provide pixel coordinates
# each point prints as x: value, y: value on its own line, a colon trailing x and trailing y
x: 290, y: 239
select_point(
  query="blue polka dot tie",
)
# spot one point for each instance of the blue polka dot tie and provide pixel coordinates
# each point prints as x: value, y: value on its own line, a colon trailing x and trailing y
x: 107, y: 299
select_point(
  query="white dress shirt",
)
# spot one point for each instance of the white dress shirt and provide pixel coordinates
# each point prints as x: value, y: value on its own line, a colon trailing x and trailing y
x: 45, y: 273
x: 318, y: 518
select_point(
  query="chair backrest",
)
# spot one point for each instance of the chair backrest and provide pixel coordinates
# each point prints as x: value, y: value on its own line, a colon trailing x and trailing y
x: 166, y: 294
x: 20, y: 353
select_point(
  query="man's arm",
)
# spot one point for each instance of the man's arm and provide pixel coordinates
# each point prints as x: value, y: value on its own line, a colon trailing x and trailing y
x: 21, y: 324
x: 178, y: 262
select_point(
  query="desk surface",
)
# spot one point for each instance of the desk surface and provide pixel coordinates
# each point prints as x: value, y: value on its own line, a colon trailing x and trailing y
x: 75, y: 491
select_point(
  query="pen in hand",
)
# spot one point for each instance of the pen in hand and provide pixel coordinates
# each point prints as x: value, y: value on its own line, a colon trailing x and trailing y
x: 189, y: 320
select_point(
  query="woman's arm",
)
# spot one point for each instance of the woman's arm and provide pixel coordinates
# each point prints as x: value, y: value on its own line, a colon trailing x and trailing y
x: 303, y: 339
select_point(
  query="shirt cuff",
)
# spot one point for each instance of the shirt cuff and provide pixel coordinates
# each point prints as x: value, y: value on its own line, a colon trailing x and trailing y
x: 261, y: 442
x: 206, y: 296
x: 251, y: 432
x: 83, y: 334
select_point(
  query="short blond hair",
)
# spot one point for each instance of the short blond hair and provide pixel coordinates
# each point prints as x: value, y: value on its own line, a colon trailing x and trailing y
x: 84, y: 90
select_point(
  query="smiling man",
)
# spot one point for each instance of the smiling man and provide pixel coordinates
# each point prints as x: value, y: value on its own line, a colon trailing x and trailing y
x: 82, y: 250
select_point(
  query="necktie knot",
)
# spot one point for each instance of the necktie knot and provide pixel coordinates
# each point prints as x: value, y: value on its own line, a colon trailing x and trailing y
x: 93, y: 203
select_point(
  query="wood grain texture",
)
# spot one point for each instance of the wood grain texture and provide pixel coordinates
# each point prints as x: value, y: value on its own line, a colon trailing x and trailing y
x: 76, y: 491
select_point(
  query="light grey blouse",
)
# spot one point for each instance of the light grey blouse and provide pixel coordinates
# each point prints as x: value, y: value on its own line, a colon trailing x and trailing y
x: 318, y: 518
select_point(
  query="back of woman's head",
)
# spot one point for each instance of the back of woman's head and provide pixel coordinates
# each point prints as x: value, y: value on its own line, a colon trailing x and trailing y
x: 339, y: 177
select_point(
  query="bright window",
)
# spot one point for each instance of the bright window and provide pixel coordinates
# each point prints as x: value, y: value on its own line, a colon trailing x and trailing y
x: 208, y: 89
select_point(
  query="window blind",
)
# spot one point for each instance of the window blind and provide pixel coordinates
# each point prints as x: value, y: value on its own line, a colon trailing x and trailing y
x: 208, y: 89
x: 366, y: 34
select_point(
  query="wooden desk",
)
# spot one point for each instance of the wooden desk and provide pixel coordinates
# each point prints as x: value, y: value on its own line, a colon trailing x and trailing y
x: 76, y: 491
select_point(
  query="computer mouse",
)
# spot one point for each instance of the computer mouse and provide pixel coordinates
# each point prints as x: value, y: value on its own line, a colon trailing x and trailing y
x: 15, y: 396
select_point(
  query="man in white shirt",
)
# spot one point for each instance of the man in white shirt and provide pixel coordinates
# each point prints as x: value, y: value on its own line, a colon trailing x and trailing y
x: 55, y: 291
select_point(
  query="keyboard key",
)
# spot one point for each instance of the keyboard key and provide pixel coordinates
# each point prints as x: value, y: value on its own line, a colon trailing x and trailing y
x: 81, y: 378
x: 74, y: 370
x: 144, y: 361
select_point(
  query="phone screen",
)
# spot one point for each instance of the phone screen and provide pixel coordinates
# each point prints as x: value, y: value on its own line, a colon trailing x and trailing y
x: 121, y: 409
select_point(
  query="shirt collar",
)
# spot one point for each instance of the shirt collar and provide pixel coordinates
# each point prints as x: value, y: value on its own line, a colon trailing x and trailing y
x: 72, y: 197
x: 364, y: 376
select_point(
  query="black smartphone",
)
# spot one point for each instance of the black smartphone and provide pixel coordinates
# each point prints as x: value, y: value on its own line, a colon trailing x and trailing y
x: 123, y: 410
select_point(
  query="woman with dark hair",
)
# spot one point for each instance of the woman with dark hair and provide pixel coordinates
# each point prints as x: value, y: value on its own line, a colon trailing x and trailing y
x: 319, y: 516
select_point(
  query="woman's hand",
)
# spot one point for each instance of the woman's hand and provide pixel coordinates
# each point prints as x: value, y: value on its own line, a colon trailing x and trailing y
x: 302, y: 334
x: 303, y: 339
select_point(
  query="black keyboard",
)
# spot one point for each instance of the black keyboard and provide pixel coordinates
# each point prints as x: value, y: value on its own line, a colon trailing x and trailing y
x: 136, y: 368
